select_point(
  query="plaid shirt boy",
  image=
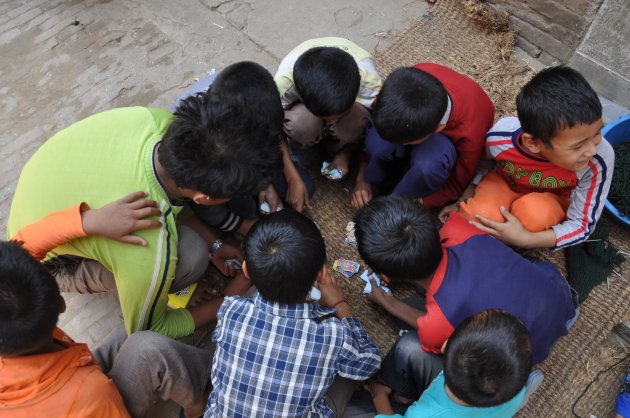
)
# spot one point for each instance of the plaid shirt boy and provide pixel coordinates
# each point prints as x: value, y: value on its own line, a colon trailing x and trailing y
x: 278, y: 360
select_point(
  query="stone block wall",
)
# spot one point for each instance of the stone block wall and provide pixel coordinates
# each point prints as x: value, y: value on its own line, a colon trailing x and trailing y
x: 591, y: 36
x: 550, y: 30
x: 603, y: 56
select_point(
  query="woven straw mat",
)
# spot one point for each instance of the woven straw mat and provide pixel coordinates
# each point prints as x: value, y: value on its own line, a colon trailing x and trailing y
x: 447, y: 35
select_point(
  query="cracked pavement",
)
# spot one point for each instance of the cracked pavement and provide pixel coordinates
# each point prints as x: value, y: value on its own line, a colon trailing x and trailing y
x: 64, y: 60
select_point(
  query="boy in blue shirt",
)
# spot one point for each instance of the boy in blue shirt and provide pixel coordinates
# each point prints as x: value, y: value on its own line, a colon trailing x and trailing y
x: 487, y: 361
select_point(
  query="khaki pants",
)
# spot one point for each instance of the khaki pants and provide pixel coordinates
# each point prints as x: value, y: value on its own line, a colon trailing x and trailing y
x: 147, y: 366
x: 90, y: 276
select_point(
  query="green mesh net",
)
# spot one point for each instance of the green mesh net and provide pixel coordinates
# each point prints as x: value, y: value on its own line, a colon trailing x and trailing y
x: 619, y: 194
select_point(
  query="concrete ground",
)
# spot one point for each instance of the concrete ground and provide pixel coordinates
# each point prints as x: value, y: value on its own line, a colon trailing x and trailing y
x: 64, y: 60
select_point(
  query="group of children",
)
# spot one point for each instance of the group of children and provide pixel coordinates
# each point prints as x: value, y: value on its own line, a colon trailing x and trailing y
x: 234, y: 148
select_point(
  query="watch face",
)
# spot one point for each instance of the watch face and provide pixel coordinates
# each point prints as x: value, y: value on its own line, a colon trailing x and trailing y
x: 215, y: 246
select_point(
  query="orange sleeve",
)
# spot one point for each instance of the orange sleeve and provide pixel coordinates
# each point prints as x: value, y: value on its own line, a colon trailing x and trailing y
x: 98, y: 397
x: 52, y: 231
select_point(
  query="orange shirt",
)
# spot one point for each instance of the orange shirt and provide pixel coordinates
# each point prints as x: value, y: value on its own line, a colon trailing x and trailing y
x: 66, y: 383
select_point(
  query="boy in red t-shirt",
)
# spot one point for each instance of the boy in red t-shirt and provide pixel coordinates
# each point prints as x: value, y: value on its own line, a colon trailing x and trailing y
x: 427, y: 135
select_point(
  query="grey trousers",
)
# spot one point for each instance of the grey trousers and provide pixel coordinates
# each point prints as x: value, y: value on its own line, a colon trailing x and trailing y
x: 147, y: 366
x: 90, y: 276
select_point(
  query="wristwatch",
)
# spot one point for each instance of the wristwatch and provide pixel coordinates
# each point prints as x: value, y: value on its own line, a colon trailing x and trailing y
x: 215, y: 247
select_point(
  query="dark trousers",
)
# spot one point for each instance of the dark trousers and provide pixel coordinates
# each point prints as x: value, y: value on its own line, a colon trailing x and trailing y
x: 408, y: 170
x: 407, y: 369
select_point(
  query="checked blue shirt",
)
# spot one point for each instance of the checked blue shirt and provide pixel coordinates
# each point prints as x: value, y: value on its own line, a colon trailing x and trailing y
x: 277, y: 360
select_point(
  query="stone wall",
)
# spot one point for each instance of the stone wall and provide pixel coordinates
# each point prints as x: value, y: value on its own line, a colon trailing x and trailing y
x: 591, y: 36
x: 550, y: 30
x: 603, y: 56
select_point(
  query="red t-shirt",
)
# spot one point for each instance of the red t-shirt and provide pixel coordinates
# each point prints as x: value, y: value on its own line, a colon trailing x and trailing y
x: 472, y: 115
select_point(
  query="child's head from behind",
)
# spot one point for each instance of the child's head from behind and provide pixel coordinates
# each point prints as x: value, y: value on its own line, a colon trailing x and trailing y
x: 488, y: 358
x: 284, y: 253
x: 254, y: 86
x: 215, y: 146
x: 398, y: 237
x: 327, y: 80
x: 561, y: 117
x: 410, y: 106
x: 29, y: 302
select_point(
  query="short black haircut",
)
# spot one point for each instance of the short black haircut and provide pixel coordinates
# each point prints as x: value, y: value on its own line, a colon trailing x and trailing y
x: 284, y: 253
x: 488, y: 358
x: 410, y: 105
x: 253, y: 84
x: 327, y: 80
x: 398, y: 237
x: 29, y: 301
x: 216, y: 146
x: 554, y: 99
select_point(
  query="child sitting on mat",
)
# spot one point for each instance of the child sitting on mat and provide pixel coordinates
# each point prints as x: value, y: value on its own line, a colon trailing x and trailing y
x: 487, y: 361
x: 429, y: 125
x: 278, y: 353
x: 327, y: 87
x: 553, y: 168
x: 463, y: 271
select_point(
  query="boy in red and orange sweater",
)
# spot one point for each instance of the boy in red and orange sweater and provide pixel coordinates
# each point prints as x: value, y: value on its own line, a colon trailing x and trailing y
x: 552, y: 167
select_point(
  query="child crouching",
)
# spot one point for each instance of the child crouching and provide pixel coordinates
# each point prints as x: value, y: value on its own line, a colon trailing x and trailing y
x: 487, y: 361
x: 278, y: 353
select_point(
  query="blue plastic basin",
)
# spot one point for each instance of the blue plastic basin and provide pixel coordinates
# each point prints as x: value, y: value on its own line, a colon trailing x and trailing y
x: 616, y: 132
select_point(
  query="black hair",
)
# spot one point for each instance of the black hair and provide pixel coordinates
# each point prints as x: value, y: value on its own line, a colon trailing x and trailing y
x: 488, y: 358
x: 29, y: 301
x: 398, y: 237
x: 216, y: 146
x: 253, y: 84
x: 556, y: 98
x: 410, y: 105
x: 284, y: 253
x: 327, y: 80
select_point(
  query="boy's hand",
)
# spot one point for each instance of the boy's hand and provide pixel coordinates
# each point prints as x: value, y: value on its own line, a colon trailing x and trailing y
x: 377, y: 389
x: 362, y: 194
x: 511, y: 231
x: 340, y: 162
x: 446, y: 210
x: 380, y: 396
x: 246, y: 225
x: 119, y: 219
x: 378, y: 295
x: 330, y: 288
x: 238, y: 286
x: 297, y: 194
x: 270, y: 196
x: 225, y: 252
